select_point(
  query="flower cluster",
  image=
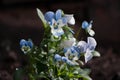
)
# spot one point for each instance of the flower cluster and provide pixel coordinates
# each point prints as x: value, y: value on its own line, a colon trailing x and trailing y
x: 60, y: 52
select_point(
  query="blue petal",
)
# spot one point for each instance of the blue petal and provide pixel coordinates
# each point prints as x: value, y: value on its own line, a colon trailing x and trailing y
x: 64, y: 59
x: 77, y: 49
x: 72, y: 50
x: 58, y: 14
x: 30, y: 44
x: 49, y: 16
x: 65, y: 50
x: 23, y: 42
x: 64, y: 20
x: 85, y: 24
x: 57, y: 57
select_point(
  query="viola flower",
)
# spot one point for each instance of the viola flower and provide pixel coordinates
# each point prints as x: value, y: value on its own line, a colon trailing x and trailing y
x: 57, y: 20
x: 69, y: 51
x: 26, y: 45
x: 87, y: 48
x: 88, y: 27
x: 69, y: 48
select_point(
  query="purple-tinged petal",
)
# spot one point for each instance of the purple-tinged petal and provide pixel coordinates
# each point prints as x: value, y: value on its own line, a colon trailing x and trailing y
x: 91, y: 43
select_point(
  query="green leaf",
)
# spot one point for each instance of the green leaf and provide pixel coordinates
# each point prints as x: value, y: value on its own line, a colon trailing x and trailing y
x: 96, y: 53
x: 41, y: 16
x: 86, y: 77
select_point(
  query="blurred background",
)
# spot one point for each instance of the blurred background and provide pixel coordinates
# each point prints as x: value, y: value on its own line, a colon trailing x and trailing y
x: 19, y: 19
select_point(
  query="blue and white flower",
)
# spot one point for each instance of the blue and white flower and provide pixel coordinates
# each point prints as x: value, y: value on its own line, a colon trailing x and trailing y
x: 87, y: 48
x: 88, y: 27
x: 57, y: 20
x: 69, y: 48
x: 26, y: 45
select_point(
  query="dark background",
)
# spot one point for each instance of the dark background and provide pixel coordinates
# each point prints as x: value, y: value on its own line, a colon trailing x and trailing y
x: 18, y: 19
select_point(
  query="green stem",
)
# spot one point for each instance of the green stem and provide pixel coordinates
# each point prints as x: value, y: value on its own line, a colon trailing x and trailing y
x: 78, y: 32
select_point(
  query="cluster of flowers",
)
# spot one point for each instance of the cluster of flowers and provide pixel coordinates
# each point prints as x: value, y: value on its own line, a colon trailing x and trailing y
x: 59, y: 39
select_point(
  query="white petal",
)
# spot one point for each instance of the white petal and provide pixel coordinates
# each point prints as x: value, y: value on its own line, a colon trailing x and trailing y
x: 88, y: 56
x: 60, y: 23
x: 70, y: 19
x: 82, y: 45
x: 57, y: 32
x: 91, y: 32
x: 76, y: 58
x: 91, y: 43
